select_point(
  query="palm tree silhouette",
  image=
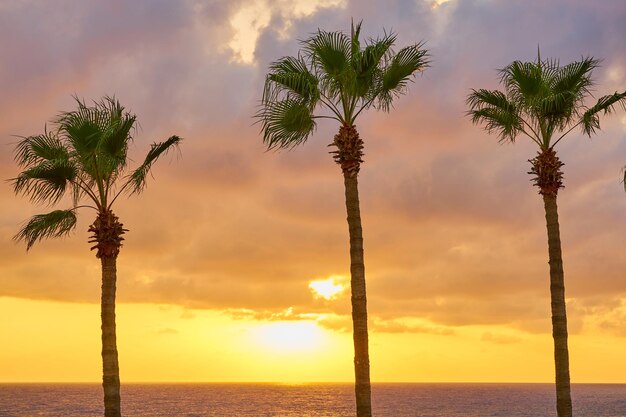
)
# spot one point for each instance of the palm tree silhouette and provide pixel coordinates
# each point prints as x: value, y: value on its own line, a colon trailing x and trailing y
x: 335, y: 74
x: 544, y: 101
x: 86, y: 157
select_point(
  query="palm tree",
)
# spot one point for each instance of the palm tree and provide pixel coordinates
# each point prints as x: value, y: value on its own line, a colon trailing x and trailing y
x: 335, y: 74
x: 544, y: 101
x: 86, y: 156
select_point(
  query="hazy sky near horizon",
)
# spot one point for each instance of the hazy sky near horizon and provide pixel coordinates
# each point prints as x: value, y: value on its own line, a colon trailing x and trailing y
x: 455, y: 241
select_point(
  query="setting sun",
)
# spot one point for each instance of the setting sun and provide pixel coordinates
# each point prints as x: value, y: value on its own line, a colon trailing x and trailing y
x: 290, y: 336
x: 327, y: 288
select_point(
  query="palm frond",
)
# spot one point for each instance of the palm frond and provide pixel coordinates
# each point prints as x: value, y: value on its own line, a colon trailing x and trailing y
x: 496, y: 111
x: 46, y: 181
x: 373, y: 53
x: 590, y: 120
x: 329, y: 53
x: 33, y: 150
x: 290, y: 76
x: 482, y: 98
x: 116, y: 136
x: 567, y: 87
x: 355, y: 43
x: 137, y: 179
x: 111, y: 154
x: 81, y: 127
x: 54, y: 224
x: 524, y: 83
x: 99, y: 135
x: 368, y: 66
x: 398, y: 72
x: 557, y: 110
x: 575, y: 77
x: 285, y: 123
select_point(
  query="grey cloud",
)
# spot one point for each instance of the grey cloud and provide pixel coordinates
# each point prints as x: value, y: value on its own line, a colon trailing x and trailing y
x: 454, y: 231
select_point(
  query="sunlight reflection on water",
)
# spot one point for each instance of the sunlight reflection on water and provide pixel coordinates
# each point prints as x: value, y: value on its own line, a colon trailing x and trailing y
x: 308, y: 400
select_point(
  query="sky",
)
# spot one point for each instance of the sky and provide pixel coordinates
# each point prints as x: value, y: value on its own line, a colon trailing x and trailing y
x: 236, y: 263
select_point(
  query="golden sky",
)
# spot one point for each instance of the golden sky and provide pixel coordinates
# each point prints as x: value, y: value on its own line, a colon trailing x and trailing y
x: 236, y: 264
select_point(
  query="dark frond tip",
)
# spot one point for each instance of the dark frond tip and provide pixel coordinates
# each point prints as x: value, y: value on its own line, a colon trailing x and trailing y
x: 590, y: 120
x: 405, y: 63
x: 506, y: 124
x: 137, y: 179
x: 57, y: 223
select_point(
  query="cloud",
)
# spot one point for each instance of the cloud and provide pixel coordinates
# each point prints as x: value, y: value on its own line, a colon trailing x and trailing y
x: 287, y: 314
x: 186, y: 314
x: 398, y: 326
x: 606, y: 315
x: 454, y: 231
x: 252, y: 18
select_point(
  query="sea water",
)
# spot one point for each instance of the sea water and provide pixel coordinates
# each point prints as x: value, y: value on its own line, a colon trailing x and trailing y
x: 310, y: 400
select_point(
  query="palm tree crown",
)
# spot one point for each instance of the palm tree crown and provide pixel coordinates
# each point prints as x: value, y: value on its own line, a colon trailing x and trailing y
x: 334, y: 72
x: 541, y: 100
x: 85, y: 156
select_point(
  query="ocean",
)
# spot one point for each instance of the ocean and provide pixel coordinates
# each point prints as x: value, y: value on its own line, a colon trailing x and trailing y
x: 310, y: 400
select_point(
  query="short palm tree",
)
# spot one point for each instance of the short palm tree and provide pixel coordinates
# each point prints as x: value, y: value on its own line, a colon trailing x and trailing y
x: 336, y: 75
x: 544, y: 101
x: 86, y: 157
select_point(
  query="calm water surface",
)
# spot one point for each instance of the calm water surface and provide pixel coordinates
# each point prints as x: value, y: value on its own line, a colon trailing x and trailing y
x: 309, y: 400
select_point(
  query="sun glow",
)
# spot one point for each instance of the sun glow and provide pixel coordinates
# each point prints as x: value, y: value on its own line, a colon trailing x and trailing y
x: 327, y: 288
x: 436, y: 3
x: 294, y: 336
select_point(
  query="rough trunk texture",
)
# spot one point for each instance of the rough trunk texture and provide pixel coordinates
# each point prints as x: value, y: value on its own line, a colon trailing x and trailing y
x: 359, y: 300
x: 349, y: 156
x: 107, y: 236
x: 548, y: 177
x: 110, y: 367
x: 559, y: 316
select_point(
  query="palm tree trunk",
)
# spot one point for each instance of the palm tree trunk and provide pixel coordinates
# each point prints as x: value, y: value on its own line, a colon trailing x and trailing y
x: 359, y: 301
x: 110, y: 367
x: 559, y: 315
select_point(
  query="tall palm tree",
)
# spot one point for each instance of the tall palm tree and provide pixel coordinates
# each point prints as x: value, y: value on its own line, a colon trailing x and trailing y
x: 544, y: 101
x: 86, y: 157
x: 334, y: 74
